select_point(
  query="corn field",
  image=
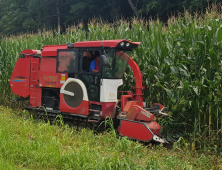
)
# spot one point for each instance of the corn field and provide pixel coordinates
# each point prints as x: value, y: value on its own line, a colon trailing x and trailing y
x: 181, y: 63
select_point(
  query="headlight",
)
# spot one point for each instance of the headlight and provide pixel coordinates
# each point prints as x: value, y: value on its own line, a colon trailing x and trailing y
x: 127, y: 44
x: 122, y: 44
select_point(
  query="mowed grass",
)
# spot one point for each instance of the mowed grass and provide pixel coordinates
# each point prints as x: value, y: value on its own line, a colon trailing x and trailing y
x: 27, y: 143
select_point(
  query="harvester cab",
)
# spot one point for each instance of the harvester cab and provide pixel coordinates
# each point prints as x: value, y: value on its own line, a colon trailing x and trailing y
x: 60, y: 79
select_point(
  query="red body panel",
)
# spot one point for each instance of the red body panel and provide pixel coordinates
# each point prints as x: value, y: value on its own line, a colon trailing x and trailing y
x: 107, y: 108
x: 129, y: 105
x: 139, y: 114
x: 135, y: 112
x: 51, y: 50
x: 30, y: 52
x: 104, y: 43
x: 154, y: 127
x: 19, y: 80
x: 82, y: 109
x: 48, y: 75
x: 125, y: 99
x: 35, y: 97
x: 136, y: 130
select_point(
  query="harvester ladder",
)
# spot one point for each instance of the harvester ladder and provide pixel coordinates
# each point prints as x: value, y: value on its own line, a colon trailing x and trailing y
x: 34, y: 91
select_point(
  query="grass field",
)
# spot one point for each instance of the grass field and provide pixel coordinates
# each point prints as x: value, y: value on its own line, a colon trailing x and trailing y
x: 180, y: 62
x: 28, y: 143
x: 181, y: 67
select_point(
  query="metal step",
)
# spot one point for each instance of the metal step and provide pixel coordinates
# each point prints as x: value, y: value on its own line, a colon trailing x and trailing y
x: 92, y: 110
x: 94, y: 121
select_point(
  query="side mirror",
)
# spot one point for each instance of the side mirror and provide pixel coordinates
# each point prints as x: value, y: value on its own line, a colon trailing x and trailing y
x: 104, y: 60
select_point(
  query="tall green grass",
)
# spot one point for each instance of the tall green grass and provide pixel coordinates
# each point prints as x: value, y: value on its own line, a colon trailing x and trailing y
x: 26, y: 143
x: 180, y: 62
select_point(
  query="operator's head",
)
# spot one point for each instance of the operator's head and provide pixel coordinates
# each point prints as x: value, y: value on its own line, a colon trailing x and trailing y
x: 86, y: 54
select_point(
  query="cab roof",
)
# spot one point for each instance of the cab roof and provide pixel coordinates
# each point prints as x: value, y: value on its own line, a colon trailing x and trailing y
x: 104, y: 43
x: 51, y: 50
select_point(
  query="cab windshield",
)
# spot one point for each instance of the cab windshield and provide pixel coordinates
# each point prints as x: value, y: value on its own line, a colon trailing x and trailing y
x: 118, y: 61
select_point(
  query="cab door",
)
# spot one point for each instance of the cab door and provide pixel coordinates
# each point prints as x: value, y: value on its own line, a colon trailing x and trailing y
x: 92, y: 83
x: 91, y: 80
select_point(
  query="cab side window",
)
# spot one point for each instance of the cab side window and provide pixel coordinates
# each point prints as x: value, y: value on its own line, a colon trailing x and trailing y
x: 67, y: 61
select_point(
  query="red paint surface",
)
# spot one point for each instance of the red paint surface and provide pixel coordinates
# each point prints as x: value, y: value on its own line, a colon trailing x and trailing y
x: 143, y: 115
x: 137, y: 113
x: 129, y: 105
x: 39, y: 97
x: 19, y: 81
x: 124, y: 100
x: 35, y: 97
x: 107, y: 108
x: 154, y: 127
x: 104, y: 43
x: 82, y: 109
x: 135, y: 130
x: 138, y: 80
x: 51, y: 50
x: 48, y: 75
x: 30, y: 52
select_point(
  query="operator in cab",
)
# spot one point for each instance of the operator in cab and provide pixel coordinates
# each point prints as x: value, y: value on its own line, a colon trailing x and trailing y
x: 94, y: 65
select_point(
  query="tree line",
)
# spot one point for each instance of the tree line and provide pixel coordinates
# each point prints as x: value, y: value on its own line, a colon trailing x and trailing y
x: 32, y: 15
